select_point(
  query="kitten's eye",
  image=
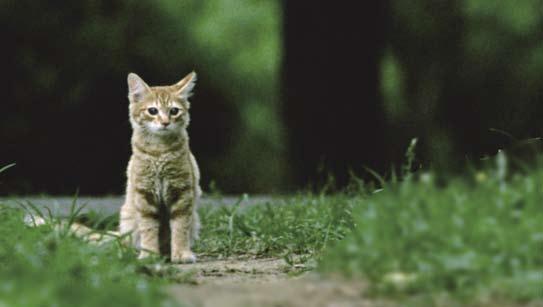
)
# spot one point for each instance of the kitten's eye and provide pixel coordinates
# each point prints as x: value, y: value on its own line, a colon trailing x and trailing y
x: 174, y: 111
x: 152, y: 111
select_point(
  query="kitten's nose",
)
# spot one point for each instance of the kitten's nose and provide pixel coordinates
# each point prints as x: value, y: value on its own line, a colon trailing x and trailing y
x: 165, y: 124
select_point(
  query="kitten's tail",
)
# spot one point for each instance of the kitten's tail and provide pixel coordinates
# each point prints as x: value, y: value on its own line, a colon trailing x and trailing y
x: 77, y: 229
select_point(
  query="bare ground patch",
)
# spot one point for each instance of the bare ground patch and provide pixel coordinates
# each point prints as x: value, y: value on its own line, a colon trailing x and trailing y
x: 263, y: 282
x: 237, y: 270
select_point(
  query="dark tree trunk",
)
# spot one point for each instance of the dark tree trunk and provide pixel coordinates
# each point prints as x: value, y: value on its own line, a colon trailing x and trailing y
x: 332, y: 106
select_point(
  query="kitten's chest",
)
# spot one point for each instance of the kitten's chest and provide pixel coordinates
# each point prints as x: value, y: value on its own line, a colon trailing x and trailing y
x: 164, y: 179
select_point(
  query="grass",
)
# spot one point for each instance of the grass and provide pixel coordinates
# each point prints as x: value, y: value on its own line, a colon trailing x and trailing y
x: 472, y: 238
x: 45, y: 264
x: 48, y: 266
x: 301, y: 225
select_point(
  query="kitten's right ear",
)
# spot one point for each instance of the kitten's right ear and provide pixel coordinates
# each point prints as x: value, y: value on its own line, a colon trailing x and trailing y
x: 184, y: 87
x: 137, y: 88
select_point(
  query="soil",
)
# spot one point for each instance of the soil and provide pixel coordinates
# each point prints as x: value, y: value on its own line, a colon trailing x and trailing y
x: 264, y: 282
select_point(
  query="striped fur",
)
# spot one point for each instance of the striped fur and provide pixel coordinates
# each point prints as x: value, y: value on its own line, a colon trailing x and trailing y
x: 162, y: 190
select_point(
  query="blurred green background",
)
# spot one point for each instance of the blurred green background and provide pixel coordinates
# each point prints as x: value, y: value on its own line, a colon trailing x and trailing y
x: 71, y: 59
x: 450, y: 73
x: 455, y: 72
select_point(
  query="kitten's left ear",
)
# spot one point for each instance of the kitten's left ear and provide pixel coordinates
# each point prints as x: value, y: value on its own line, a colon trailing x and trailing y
x: 184, y: 87
x: 137, y: 88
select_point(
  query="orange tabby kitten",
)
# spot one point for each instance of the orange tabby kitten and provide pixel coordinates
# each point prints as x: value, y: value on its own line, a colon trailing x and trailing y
x: 163, y: 178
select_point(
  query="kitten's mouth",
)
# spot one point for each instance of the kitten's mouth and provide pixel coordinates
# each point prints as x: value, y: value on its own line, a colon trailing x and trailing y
x: 159, y: 130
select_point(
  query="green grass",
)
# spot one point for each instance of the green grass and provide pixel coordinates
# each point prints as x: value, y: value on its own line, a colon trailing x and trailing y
x: 41, y: 266
x: 472, y: 238
x: 301, y: 225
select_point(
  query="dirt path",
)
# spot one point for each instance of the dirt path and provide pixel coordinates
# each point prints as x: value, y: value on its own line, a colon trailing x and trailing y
x: 263, y: 282
x: 237, y: 270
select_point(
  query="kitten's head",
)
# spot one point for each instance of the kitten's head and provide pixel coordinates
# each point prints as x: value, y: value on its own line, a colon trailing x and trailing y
x: 160, y: 110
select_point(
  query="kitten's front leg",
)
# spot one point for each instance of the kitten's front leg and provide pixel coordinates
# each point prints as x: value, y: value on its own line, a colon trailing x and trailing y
x: 148, y: 227
x: 181, y: 224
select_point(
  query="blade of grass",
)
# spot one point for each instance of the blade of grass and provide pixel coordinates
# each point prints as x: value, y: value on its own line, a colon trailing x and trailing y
x: 7, y: 167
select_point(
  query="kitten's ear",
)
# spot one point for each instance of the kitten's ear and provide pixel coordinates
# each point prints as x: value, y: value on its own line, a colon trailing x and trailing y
x: 137, y: 88
x: 184, y: 87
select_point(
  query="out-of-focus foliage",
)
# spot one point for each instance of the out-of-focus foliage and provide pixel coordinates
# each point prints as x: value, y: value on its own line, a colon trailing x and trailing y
x: 64, y: 69
x: 451, y: 73
x: 453, y: 70
x: 240, y: 45
x: 478, y: 237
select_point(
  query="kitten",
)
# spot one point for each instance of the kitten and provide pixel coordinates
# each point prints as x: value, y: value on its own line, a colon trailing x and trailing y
x: 162, y: 191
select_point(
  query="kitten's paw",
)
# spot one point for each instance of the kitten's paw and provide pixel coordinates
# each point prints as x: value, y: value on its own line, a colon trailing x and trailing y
x: 184, y: 257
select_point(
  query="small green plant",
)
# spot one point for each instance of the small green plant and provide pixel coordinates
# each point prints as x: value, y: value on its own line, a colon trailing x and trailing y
x: 4, y: 168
